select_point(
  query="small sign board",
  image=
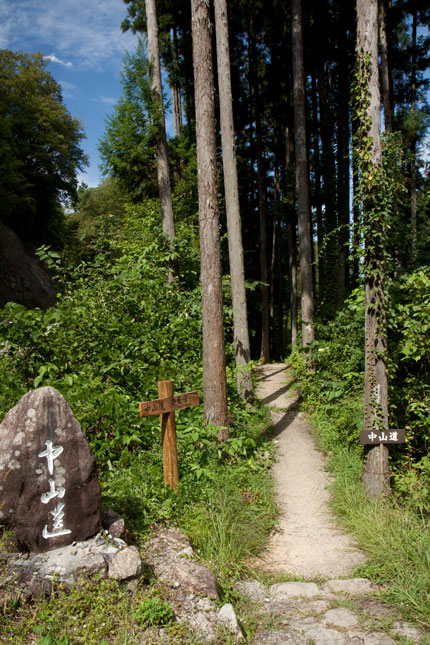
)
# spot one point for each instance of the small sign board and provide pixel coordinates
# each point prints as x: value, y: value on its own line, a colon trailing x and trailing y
x: 398, y: 435
x: 169, y: 404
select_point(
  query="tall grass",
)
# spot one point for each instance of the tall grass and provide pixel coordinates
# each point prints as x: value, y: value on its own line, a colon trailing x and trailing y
x: 396, y: 540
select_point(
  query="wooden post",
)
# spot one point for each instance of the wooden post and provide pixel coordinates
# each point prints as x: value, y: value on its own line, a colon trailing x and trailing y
x: 168, y: 438
x: 165, y: 406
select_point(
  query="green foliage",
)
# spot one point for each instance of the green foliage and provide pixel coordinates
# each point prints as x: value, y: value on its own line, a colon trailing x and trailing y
x: 334, y: 388
x: 153, y: 611
x: 410, y: 351
x: 128, y: 147
x: 118, y: 328
x: 40, y: 147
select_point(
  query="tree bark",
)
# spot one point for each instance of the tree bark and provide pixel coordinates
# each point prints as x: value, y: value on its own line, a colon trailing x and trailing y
x: 166, y: 205
x: 214, y: 370
x: 292, y: 237
x: 343, y: 165
x: 413, y: 182
x: 261, y: 187
x: 376, y: 471
x: 235, y: 248
x: 302, y: 183
x: 385, y: 69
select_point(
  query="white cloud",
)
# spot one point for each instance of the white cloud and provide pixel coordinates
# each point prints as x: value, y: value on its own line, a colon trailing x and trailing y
x: 53, y: 59
x: 106, y: 100
x: 85, y: 32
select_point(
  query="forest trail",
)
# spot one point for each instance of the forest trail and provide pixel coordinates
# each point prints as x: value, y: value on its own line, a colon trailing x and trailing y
x: 308, y: 543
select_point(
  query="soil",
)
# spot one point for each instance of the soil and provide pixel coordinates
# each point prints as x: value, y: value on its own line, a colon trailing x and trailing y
x: 308, y: 542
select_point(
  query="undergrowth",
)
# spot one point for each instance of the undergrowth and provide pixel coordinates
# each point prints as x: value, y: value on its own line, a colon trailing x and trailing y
x: 394, y: 530
x: 117, y: 329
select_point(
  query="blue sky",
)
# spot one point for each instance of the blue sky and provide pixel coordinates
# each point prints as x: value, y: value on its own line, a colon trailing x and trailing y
x: 85, y: 46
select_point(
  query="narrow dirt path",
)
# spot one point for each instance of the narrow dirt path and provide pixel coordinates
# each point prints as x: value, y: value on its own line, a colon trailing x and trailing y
x: 308, y: 543
x: 333, y: 609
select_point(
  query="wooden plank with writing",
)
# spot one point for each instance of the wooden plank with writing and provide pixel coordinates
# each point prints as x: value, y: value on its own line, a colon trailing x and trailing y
x: 387, y: 437
x: 187, y: 400
x: 169, y: 404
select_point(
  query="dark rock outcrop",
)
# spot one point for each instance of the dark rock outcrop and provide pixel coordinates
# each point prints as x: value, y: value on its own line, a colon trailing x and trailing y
x: 23, y: 280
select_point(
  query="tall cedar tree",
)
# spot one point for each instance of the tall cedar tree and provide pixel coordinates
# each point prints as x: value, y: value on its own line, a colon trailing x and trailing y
x: 237, y: 272
x: 166, y: 205
x: 302, y: 182
x: 214, y: 369
x: 376, y: 474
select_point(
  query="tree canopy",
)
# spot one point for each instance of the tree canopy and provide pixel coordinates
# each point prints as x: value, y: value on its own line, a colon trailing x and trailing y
x: 40, y: 147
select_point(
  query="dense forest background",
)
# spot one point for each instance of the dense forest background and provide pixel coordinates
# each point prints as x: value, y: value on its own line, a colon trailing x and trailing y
x: 116, y: 263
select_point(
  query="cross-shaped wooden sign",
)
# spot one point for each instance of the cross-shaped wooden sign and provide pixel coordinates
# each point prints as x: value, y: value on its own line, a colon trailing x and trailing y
x: 165, y: 406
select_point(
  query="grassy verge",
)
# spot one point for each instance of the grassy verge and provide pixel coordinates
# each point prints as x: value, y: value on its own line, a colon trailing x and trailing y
x: 395, y: 537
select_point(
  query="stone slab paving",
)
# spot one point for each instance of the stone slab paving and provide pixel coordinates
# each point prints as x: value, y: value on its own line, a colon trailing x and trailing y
x: 344, y: 612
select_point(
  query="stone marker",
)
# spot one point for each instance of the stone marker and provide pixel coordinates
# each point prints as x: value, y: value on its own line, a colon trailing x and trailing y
x: 49, y: 491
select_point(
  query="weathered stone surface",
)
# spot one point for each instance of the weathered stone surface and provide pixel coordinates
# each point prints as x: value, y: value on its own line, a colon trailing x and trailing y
x: 294, y: 590
x: 228, y: 616
x: 113, y: 524
x: 281, y: 637
x: 340, y: 617
x: 404, y: 629
x: 23, y: 278
x: 319, y: 635
x: 356, y: 586
x: 49, y: 492
x: 253, y: 589
x: 163, y: 553
x: 125, y: 564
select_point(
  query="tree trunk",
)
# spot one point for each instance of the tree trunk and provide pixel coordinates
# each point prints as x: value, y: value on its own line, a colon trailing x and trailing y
x: 413, y: 183
x: 235, y: 248
x: 214, y: 370
x: 376, y: 472
x: 317, y: 188
x: 292, y: 238
x: 343, y: 166
x: 262, y: 214
x: 302, y: 184
x: 166, y: 206
x: 385, y: 69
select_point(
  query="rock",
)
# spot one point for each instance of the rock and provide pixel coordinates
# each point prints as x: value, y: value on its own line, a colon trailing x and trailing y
x: 280, y: 637
x: 283, y: 590
x: 403, y: 629
x: 193, y: 577
x: 228, y: 616
x: 92, y: 564
x: 125, y: 564
x: 376, y: 638
x: 355, y: 586
x: 202, y: 625
x: 340, y: 617
x: 253, y: 589
x: 113, y: 524
x: 23, y: 278
x: 50, y: 493
x: 163, y: 553
x: 319, y: 635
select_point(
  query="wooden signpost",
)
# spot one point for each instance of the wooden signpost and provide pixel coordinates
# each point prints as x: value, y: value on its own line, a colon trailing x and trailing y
x: 165, y: 406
